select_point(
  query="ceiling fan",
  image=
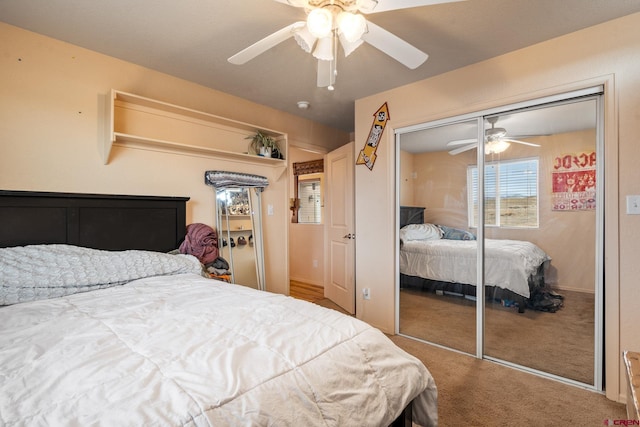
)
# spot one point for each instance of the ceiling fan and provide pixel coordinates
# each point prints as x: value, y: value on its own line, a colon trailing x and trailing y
x: 340, y: 22
x: 496, y: 140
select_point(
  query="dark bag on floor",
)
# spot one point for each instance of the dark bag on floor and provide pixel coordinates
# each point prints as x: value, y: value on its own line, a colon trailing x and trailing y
x: 543, y: 299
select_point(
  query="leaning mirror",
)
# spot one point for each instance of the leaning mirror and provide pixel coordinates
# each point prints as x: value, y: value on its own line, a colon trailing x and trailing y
x: 239, y: 225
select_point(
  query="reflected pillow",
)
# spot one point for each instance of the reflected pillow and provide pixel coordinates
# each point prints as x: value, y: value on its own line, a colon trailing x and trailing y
x: 451, y: 233
x: 420, y: 232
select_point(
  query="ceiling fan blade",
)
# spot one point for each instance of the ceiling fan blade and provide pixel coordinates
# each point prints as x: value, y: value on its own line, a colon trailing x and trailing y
x: 462, y: 141
x: 521, y: 142
x: 371, y: 6
x: 462, y: 149
x: 394, y: 46
x: 326, y: 76
x: 265, y: 44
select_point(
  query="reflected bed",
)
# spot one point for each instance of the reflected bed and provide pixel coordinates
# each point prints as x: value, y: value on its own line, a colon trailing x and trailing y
x: 444, y: 260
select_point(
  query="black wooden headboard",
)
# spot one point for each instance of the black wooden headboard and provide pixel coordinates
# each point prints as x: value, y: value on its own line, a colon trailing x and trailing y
x: 411, y: 215
x: 99, y: 221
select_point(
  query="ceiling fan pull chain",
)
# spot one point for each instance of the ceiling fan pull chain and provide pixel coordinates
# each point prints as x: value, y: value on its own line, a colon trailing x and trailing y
x: 334, y: 62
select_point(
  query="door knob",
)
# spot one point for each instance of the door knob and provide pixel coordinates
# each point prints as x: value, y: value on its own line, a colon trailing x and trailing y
x: 349, y: 236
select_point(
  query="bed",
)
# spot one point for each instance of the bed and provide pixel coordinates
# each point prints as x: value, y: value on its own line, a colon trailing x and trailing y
x: 107, y: 328
x: 444, y: 259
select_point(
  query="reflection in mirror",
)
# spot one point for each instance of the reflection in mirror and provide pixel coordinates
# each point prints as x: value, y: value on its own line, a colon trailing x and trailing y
x: 435, y: 303
x: 540, y: 198
x: 239, y: 224
x: 538, y: 188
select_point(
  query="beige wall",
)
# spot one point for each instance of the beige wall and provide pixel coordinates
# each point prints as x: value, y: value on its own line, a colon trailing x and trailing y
x: 306, y: 241
x: 440, y: 185
x: 51, y: 123
x: 605, y: 54
x: 407, y: 179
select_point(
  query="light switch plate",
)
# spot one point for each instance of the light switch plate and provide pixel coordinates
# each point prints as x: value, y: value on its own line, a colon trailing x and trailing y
x: 633, y: 205
x: 269, y: 210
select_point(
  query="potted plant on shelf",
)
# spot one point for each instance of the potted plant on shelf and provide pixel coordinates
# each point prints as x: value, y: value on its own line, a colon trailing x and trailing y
x: 263, y: 145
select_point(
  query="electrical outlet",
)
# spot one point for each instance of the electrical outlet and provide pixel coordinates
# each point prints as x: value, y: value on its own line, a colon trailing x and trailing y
x: 270, y: 210
x: 315, y: 263
x: 366, y: 293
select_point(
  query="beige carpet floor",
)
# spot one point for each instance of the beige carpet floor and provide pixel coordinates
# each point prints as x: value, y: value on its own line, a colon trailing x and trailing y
x: 474, y: 392
x: 560, y: 343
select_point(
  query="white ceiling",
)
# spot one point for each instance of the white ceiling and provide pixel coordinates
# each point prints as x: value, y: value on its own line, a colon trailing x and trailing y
x: 192, y: 39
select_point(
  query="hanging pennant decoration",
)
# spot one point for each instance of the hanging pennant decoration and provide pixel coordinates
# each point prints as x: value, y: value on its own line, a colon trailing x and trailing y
x: 367, y: 155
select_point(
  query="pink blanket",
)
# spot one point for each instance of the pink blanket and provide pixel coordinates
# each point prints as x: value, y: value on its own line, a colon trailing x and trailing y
x: 201, y: 241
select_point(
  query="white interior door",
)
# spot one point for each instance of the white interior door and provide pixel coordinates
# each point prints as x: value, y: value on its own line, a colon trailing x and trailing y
x: 339, y: 275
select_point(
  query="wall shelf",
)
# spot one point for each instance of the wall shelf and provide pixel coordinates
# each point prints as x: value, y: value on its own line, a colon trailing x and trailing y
x: 138, y: 122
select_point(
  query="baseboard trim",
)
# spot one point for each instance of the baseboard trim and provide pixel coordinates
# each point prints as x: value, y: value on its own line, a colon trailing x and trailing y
x: 568, y: 288
x: 307, y: 281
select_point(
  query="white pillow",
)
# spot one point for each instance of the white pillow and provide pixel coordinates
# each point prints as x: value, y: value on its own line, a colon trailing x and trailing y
x: 420, y: 232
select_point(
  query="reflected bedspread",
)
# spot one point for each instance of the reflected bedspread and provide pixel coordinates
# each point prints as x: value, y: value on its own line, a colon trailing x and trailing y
x: 508, y: 263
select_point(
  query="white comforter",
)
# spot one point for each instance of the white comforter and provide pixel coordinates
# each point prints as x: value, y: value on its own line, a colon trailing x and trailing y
x: 185, y: 350
x: 508, y: 263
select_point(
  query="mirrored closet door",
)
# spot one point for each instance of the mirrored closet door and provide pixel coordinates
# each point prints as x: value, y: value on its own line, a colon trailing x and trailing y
x: 521, y: 214
x: 432, y: 196
x: 540, y: 197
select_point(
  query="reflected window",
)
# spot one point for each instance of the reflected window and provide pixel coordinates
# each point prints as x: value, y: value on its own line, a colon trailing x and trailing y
x: 511, y: 193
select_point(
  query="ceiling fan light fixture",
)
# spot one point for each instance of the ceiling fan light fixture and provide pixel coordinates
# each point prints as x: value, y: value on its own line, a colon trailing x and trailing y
x: 305, y: 39
x: 331, y: 20
x: 348, y: 46
x: 496, y: 146
x: 320, y: 22
x: 351, y: 25
x: 495, y: 134
x: 324, y: 49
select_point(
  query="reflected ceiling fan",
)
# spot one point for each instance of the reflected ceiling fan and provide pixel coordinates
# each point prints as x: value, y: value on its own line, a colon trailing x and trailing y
x: 340, y: 22
x: 496, y: 141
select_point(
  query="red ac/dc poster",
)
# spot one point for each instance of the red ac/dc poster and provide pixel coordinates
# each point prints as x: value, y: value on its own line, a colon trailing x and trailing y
x: 574, y: 182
